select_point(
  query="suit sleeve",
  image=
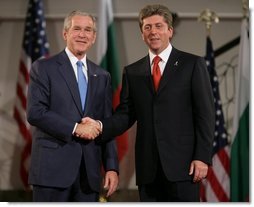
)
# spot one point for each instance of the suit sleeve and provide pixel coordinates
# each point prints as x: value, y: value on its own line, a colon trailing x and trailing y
x: 124, y: 116
x: 109, y: 149
x: 204, y: 112
x: 38, y: 108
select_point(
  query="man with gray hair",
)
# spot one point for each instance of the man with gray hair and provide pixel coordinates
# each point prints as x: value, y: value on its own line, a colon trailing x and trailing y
x: 62, y: 90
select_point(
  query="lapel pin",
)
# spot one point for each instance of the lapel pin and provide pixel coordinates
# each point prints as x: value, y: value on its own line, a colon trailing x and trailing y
x: 95, y: 75
x: 176, y: 63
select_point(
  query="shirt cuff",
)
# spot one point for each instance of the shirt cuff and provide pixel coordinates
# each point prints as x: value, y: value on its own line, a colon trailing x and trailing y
x: 101, y: 125
x: 74, y: 129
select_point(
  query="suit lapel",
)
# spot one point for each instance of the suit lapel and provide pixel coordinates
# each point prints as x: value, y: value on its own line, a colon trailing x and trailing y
x: 92, y: 86
x: 68, y: 74
x: 171, y: 67
x: 147, y: 73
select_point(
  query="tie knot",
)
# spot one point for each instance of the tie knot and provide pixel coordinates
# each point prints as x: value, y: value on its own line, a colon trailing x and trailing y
x: 79, y: 63
x: 156, y: 59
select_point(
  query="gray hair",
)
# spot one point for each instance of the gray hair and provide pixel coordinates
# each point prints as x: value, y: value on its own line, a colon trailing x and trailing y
x: 68, y: 18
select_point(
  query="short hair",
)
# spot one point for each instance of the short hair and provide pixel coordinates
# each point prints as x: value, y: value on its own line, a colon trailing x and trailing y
x: 68, y: 18
x: 155, y: 9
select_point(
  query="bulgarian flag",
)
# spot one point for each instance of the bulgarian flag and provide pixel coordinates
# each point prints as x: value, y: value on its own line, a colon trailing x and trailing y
x: 107, y: 58
x: 240, y: 144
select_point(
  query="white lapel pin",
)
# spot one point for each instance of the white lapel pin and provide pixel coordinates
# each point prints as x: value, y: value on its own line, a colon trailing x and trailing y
x: 95, y: 75
x: 176, y: 63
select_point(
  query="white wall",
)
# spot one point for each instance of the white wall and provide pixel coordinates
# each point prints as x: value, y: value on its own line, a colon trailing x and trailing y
x: 190, y: 35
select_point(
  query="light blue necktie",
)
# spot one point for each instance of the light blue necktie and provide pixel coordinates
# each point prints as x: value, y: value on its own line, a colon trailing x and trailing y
x: 82, y: 84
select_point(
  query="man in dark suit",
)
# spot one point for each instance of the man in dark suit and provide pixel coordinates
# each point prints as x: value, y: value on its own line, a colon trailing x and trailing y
x: 65, y: 167
x: 168, y: 93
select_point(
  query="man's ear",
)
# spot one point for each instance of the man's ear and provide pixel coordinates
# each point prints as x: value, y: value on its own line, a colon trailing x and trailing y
x: 142, y: 35
x: 171, y: 31
x: 94, y: 38
x: 64, y: 34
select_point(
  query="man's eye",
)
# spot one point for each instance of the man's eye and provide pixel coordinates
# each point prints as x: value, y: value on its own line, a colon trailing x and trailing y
x: 88, y: 29
x: 147, y: 28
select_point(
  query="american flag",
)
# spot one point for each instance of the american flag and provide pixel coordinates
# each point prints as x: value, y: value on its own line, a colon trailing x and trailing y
x: 34, y: 46
x: 216, y: 187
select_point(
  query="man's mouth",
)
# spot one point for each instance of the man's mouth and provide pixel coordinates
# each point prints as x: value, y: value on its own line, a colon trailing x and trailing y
x: 82, y: 42
x: 154, y: 39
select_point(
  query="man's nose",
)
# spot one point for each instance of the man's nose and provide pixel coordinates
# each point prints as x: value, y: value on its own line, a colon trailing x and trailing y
x: 153, y: 29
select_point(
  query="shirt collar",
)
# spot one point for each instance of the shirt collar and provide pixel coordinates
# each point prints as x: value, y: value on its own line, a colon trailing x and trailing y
x: 164, y: 55
x: 74, y: 59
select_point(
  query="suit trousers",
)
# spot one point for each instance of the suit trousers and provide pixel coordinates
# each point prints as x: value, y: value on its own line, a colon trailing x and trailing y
x: 163, y: 190
x: 79, y: 191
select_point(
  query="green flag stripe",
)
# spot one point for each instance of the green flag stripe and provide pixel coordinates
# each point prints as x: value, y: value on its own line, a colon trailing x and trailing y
x: 240, y: 160
x: 111, y: 61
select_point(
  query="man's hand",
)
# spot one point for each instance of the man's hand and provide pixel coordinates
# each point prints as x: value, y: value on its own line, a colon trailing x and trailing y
x: 199, y: 170
x: 111, y: 182
x: 89, y: 120
x: 88, y: 130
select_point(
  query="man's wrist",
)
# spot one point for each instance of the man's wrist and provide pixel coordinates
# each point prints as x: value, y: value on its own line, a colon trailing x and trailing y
x: 101, y: 125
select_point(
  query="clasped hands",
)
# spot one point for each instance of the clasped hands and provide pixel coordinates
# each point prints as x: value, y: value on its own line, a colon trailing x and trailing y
x: 88, y: 129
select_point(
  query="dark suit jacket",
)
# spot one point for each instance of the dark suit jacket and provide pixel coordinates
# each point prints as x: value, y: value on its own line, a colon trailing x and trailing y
x: 54, y: 107
x: 174, y: 125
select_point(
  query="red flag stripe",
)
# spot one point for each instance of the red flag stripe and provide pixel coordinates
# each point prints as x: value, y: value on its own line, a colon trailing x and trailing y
x: 22, y: 127
x: 122, y: 140
x: 26, y: 135
x: 32, y: 49
x: 21, y: 96
x: 23, y: 70
x: 209, y: 195
x: 221, y: 174
x: 216, y: 186
x: 217, y: 183
x: 225, y: 160
x: 24, y: 157
x: 202, y: 192
x: 116, y: 97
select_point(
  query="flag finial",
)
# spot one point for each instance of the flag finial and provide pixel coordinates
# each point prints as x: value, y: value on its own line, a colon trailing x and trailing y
x: 208, y: 17
x: 245, y: 8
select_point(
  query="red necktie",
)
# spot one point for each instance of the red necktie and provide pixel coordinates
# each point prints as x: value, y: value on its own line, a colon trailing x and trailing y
x: 156, y: 72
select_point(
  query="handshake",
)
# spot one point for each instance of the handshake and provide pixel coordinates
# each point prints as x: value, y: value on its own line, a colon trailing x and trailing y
x: 88, y: 129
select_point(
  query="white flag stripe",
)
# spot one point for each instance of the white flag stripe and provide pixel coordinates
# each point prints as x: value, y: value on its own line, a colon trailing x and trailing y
x: 239, y: 183
x: 22, y: 83
x: 106, y: 15
x: 221, y: 174
x: 243, y: 77
x: 26, y: 60
x: 218, y: 172
x: 227, y: 150
x: 244, y: 62
x: 210, y: 195
x: 22, y: 113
